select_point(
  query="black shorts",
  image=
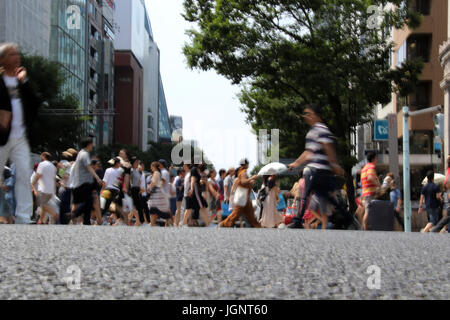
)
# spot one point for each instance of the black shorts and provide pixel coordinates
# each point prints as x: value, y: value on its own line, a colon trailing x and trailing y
x: 159, y: 213
x: 81, y: 193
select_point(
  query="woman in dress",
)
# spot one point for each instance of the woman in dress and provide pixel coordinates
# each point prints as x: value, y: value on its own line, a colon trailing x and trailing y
x: 158, y: 203
x: 271, y: 218
x: 213, y: 194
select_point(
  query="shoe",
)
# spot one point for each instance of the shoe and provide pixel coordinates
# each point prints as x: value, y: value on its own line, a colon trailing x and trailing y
x: 295, y: 225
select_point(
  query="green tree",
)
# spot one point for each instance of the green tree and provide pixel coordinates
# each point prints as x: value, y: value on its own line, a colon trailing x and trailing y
x: 52, y: 133
x: 288, y: 53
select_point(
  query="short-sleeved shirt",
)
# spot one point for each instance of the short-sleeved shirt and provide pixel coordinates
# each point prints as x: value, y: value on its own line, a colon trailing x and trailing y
x: 79, y: 173
x: 46, y: 183
x: 317, y: 136
x: 112, y: 178
x: 395, y: 195
x: 221, y: 187
x: 18, y: 120
x: 429, y: 191
x: 228, y: 182
x: 135, y: 178
x: 180, y: 188
x: 368, y: 188
x: 165, y: 175
x: 196, y: 174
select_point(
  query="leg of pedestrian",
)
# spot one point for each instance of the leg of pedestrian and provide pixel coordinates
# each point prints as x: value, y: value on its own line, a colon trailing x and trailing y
x: 20, y: 156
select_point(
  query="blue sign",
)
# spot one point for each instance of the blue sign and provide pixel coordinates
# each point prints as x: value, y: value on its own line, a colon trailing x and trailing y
x: 380, y: 130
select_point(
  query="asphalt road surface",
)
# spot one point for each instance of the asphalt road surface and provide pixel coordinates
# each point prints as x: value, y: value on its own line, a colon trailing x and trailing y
x: 77, y: 262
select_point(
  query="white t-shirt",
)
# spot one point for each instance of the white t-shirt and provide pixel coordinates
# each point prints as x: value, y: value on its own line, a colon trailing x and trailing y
x: 143, y: 185
x: 165, y: 175
x: 187, y: 184
x: 112, y: 177
x: 17, y: 123
x: 47, y: 182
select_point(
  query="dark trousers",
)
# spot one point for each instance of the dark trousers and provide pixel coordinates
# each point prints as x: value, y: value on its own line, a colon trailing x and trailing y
x: 399, y: 218
x: 322, y: 183
x: 444, y: 221
x: 139, y: 204
x: 84, y: 208
x: 64, y: 206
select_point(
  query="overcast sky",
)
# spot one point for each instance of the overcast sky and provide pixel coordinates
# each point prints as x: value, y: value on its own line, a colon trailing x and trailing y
x: 206, y: 101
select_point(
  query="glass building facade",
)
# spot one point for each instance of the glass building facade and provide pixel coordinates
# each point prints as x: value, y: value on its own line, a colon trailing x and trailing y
x: 27, y: 23
x: 164, y: 128
x: 68, y: 45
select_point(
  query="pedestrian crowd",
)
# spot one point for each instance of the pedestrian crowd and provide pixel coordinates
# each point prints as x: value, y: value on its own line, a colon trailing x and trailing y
x: 76, y: 190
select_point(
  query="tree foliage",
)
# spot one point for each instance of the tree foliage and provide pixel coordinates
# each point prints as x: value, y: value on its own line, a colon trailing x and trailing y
x: 289, y: 53
x: 52, y: 133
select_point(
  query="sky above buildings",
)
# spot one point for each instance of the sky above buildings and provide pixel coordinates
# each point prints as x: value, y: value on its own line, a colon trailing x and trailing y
x: 206, y: 101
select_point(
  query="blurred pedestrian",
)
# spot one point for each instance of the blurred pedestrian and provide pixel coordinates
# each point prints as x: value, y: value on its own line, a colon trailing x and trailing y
x: 7, y: 199
x: 97, y: 212
x: 112, y: 187
x: 431, y: 196
x: 370, y: 184
x: 136, y: 191
x: 18, y: 110
x: 83, y: 176
x: 45, y: 178
x: 195, y: 199
x: 179, y: 186
x: 158, y: 202
x: 243, y: 205
x: 320, y: 157
x: 396, y: 199
x: 271, y: 218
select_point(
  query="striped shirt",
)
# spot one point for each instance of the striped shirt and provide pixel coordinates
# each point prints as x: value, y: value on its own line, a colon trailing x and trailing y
x: 368, y: 187
x: 318, y: 135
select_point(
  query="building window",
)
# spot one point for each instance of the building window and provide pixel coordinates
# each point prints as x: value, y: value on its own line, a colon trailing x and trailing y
x: 419, y: 46
x: 421, y: 142
x: 401, y: 54
x: 421, y: 6
x: 421, y: 98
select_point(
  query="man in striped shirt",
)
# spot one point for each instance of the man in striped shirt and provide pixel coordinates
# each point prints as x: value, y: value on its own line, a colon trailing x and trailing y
x: 321, y: 159
x: 369, y: 183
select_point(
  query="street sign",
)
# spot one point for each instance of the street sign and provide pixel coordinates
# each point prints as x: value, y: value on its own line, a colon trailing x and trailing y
x: 380, y: 130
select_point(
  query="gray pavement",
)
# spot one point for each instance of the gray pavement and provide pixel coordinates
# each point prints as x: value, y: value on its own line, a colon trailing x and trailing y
x: 41, y: 262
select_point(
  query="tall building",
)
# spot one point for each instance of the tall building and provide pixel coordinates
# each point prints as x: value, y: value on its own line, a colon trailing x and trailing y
x: 27, y: 23
x: 444, y: 59
x: 138, y: 74
x: 422, y: 42
x: 101, y: 69
x: 164, y: 129
x: 79, y: 34
x: 129, y: 73
x: 151, y: 85
x: 69, y: 46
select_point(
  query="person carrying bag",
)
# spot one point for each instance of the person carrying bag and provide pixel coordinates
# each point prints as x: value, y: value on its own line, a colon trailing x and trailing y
x: 241, y: 199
